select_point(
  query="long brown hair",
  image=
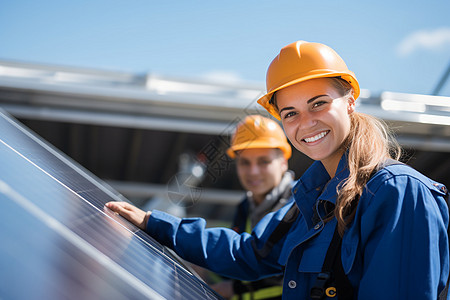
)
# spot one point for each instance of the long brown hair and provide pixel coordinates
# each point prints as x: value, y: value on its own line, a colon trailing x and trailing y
x: 369, y: 144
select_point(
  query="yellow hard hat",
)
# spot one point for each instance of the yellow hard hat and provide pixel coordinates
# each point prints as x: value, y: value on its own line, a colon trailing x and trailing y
x: 301, y: 61
x: 255, y: 131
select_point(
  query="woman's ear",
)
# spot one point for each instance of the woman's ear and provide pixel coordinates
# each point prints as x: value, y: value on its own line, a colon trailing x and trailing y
x: 351, y: 105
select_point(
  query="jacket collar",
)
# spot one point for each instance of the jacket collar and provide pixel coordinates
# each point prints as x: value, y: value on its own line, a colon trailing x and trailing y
x: 316, y: 184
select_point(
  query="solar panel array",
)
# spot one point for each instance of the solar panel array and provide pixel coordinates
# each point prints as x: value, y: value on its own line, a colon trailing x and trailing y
x: 57, y: 241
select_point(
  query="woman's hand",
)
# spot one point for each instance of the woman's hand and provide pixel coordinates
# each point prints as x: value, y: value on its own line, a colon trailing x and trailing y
x: 133, y: 214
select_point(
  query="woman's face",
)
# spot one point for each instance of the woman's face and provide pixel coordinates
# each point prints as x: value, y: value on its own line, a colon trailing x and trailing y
x: 316, y: 119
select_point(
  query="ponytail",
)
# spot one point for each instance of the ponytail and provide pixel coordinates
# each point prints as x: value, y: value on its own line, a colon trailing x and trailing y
x: 369, y: 144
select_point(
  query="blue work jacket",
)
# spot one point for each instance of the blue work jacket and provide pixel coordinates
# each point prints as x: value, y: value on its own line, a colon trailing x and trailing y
x: 395, y: 248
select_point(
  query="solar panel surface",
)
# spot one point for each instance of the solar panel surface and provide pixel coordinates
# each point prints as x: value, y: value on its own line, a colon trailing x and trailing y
x: 59, y: 242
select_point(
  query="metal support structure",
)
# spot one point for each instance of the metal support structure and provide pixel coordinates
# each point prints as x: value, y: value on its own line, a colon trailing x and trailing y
x: 442, y: 81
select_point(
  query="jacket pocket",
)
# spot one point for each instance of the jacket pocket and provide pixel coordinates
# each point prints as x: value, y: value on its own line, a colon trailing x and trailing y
x: 313, y: 258
x: 348, y: 254
x: 315, y: 249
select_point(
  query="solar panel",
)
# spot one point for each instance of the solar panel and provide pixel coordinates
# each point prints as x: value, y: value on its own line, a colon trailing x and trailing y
x: 57, y: 241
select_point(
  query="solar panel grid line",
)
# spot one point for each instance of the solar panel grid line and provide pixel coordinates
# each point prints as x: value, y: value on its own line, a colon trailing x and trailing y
x: 61, y: 157
x: 49, y: 276
x: 76, y: 211
x: 68, y: 188
x: 78, y: 242
x: 38, y: 167
x: 102, y: 240
x: 156, y: 253
x: 76, y: 193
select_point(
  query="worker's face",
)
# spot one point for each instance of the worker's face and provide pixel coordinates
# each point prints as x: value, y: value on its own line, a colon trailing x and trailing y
x: 316, y: 119
x: 260, y: 170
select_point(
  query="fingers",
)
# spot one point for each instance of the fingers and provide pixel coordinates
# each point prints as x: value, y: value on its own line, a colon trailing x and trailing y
x: 117, y: 206
x: 129, y: 212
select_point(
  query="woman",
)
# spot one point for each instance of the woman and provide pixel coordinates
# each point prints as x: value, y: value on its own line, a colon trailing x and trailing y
x: 391, y: 240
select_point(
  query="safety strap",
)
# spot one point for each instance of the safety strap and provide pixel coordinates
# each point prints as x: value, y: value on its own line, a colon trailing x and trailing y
x: 280, y: 231
x: 332, y: 279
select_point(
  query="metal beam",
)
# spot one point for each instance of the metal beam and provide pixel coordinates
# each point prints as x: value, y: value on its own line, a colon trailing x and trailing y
x: 148, y: 190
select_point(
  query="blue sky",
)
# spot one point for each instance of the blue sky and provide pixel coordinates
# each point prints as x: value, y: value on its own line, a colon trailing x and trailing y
x: 401, y: 46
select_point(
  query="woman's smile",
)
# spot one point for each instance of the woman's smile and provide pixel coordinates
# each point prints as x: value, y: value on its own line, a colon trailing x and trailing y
x: 316, y: 137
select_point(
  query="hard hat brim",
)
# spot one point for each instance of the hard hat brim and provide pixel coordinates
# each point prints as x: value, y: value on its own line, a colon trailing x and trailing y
x: 347, y: 76
x: 285, y: 148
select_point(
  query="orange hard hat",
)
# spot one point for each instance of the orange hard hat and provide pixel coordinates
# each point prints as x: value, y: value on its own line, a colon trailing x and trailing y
x: 301, y: 61
x: 256, y: 131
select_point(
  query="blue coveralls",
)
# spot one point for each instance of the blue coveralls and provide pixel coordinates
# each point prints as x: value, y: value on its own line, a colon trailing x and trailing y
x: 395, y: 248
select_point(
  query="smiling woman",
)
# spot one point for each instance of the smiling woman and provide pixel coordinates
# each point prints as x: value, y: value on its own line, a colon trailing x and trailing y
x: 313, y: 93
x: 362, y: 225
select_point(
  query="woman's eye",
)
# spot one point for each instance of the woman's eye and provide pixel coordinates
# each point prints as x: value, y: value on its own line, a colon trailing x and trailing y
x: 288, y: 115
x: 318, y: 103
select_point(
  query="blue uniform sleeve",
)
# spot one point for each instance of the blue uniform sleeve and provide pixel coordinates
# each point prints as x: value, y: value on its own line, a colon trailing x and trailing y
x: 404, y: 241
x: 220, y: 250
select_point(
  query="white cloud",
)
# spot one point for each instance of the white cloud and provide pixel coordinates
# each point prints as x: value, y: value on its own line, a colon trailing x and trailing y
x: 436, y: 39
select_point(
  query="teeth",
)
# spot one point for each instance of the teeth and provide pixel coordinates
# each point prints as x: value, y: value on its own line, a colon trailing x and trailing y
x: 316, y: 137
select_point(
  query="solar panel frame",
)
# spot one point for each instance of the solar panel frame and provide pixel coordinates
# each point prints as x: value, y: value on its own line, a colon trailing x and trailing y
x: 55, y: 209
